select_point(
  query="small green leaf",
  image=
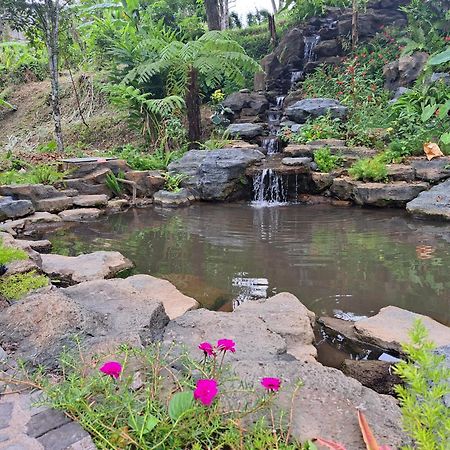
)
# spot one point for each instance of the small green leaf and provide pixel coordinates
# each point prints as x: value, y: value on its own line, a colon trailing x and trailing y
x: 180, y: 403
x: 440, y: 58
x: 428, y: 112
x: 445, y: 138
x: 144, y: 424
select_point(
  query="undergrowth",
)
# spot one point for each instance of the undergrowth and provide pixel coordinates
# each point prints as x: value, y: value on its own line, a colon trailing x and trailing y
x: 17, y: 286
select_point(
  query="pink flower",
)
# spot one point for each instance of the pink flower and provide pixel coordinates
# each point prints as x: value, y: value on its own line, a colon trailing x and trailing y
x: 271, y: 384
x: 207, y: 348
x: 205, y: 391
x: 112, y: 368
x: 227, y: 345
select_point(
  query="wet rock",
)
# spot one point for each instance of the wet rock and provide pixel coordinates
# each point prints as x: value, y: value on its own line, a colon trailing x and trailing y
x: 275, y: 73
x: 13, y: 209
x: 245, y: 130
x: 321, y: 181
x: 173, y: 199
x: 32, y: 192
x: 29, y: 222
x: 376, y: 375
x: 315, y: 107
x: 434, y: 203
x: 434, y: 171
x: 342, y: 188
x: 55, y: 204
x: 134, y: 291
x: 404, y: 71
x: 80, y: 215
x: 88, y: 201
x: 216, y: 174
x: 91, y: 266
x: 254, y: 103
x: 390, y: 327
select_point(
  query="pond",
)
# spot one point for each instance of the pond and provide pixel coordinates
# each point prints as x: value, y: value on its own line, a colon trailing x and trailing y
x: 338, y: 261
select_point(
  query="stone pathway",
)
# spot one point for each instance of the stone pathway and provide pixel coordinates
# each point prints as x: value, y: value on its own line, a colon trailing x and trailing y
x: 24, y: 426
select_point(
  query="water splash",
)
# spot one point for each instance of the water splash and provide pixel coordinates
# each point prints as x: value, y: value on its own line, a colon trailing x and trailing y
x: 280, y: 101
x: 271, y: 144
x: 310, y: 45
x: 269, y: 189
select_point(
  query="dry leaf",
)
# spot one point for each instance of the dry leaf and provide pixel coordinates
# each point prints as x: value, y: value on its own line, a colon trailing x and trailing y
x: 432, y: 150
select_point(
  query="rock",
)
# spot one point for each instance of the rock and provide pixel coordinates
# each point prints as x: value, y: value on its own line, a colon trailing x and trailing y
x: 32, y: 192
x: 331, y: 47
x: 55, y: 204
x: 22, y: 266
x: 147, y: 181
x: 28, y: 222
x: 276, y: 74
x: 321, y: 181
x: 245, y: 130
x: 291, y: 49
x: 87, y: 187
x: 395, y: 194
x: 434, y: 203
x: 376, y: 375
x: 315, y: 107
x: 398, y: 93
x: 442, y: 77
x: 390, y: 327
x: 296, y: 127
x: 434, y: 171
x: 69, y: 192
x: 87, y: 201
x: 117, y: 205
x: 41, y: 325
x: 216, y: 174
x: 133, y: 290
x: 86, y: 167
x: 80, y: 215
x: 12, y: 209
x: 281, y: 323
x: 404, y: 71
x: 441, y: 351
x: 173, y: 199
x: 87, y: 267
x: 401, y: 172
x: 342, y: 188
x: 3, y: 355
x: 305, y: 161
x: 254, y: 103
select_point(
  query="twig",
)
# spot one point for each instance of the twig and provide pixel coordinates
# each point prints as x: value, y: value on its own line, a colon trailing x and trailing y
x: 77, y: 98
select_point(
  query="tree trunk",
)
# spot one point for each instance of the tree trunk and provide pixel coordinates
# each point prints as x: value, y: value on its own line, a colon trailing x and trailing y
x: 213, y: 15
x: 193, y: 107
x: 272, y: 30
x: 354, y: 24
x: 224, y: 14
x: 274, y: 7
x: 51, y: 38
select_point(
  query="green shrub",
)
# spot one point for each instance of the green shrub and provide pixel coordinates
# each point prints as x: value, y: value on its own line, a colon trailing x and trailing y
x: 369, y: 169
x: 325, y: 161
x: 113, y: 183
x: 321, y: 128
x: 426, y: 418
x: 9, y: 254
x: 173, y: 182
x: 40, y: 174
x: 15, y: 287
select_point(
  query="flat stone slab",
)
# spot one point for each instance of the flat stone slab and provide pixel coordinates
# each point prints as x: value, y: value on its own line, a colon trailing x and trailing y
x: 80, y: 215
x: 245, y: 130
x: 86, y: 201
x: 305, y: 161
x: 87, y: 267
x: 401, y: 172
x: 315, y: 107
x: 434, y: 203
x: 438, y: 169
x: 390, y: 327
x: 12, y: 209
x: 134, y: 290
x: 29, y: 221
x: 55, y: 204
x: 173, y: 199
x: 32, y: 192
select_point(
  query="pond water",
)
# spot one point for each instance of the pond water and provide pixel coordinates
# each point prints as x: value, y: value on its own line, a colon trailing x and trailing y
x: 338, y: 261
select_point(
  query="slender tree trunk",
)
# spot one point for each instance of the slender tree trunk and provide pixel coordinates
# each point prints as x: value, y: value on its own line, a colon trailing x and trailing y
x: 354, y: 24
x: 272, y: 30
x: 213, y: 16
x: 51, y: 38
x: 225, y: 14
x: 274, y: 6
x: 193, y: 107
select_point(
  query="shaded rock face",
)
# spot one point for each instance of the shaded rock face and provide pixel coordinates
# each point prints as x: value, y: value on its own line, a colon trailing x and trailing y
x: 92, y: 266
x: 434, y: 171
x: 274, y: 338
x: 133, y: 291
x: 37, y: 328
x: 315, y: 107
x: 12, y: 209
x: 245, y: 130
x: 404, y: 71
x: 291, y: 49
x: 247, y: 104
x: 434, y: 203
x: 216, y: 174
x: 32, y: 192
x: 276, y: 75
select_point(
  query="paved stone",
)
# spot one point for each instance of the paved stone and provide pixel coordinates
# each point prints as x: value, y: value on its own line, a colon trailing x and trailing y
x: 46, y: 421
x: 5, y: 414
x: 62, y: 437
x: 87, y: 201
x: 3, y: 438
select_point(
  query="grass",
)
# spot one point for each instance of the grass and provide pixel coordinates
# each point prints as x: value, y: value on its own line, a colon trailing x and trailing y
x: 17, y: 286
x: 10, y: 254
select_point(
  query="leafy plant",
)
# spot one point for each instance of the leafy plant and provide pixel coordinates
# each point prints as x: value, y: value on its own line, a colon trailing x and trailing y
x: 16, y: 286
x: 326, y: 161
x: 113, y: 183
x: 426, y: 418
x: 40, y: 174
x: 9, y: 254
x: 216, y: 141
x: 369, y: 169
x: 321, y: 128
x: 173, y: 182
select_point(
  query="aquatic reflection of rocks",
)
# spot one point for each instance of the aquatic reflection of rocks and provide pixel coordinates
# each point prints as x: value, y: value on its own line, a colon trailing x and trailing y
x: 248, y: 289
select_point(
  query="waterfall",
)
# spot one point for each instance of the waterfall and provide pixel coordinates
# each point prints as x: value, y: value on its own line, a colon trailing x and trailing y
x: 269, y: 189
x: 280, y: 101
x: 310, y: 44
x: 271, y: 144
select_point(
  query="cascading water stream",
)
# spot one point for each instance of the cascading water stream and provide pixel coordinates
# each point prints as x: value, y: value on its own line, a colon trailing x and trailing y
x: 309, y: 55
x: 269, y: 189
x: 271, y: 144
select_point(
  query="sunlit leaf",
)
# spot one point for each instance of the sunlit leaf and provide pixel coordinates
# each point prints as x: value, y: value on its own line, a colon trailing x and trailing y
x: 180, y: 403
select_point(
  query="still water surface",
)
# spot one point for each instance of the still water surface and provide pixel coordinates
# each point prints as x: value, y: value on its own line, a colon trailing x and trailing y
x: 338, y: 261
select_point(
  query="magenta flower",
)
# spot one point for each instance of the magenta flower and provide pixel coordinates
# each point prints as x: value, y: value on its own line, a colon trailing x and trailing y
x: 271, y: 384
x: 112, y: 368
x: 205, y: 391
x: 207, y: 348
x: 226, y: 345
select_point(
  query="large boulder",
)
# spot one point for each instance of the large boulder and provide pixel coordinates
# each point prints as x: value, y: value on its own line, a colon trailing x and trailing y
x: 274, y: 338
x: 245, y: 130
x: 40, y: 326
x: 276, y: 74
x: 291, y: 49
x: 434, y: 171
x: 331, y: 47
x: 135, y: 290
x: 32, y: 192
x: 26, y: 223
x: 216, y: 174
x: 434, y: 203
x: 315, y: 107
x: 404, y: 71
x: 12, y: 209
x: 253, y: 103
x: 91, y: 266
x: 85, y: 167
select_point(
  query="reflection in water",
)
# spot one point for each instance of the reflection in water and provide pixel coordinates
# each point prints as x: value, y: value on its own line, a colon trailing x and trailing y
x: 346, y: 259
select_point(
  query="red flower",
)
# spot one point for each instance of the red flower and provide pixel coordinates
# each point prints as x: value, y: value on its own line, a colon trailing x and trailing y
x: 271, y: 384
x: 205, y: 391
x: 112, y: 368
x: 226, y: 345
x: 207, y: 348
